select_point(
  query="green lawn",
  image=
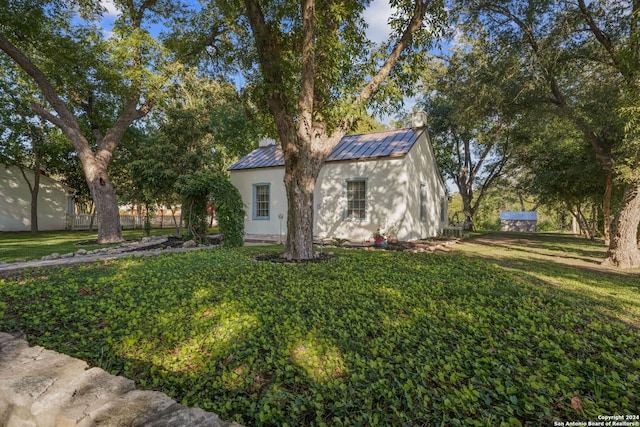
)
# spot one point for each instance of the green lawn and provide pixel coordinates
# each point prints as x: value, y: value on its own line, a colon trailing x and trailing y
x: 25, y: 246
x: 367, y: 338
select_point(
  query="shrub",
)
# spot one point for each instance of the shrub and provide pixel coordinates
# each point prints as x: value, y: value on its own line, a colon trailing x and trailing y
x: 196, y: 190
x: 546, y: 225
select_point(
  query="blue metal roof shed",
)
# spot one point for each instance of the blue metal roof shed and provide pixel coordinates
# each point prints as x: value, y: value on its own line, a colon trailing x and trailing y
x: 519, y: 216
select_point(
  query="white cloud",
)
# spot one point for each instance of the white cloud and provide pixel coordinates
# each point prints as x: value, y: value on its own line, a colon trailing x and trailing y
x: 111, y: 9
x: 110, y: 15
x: 377, y: 16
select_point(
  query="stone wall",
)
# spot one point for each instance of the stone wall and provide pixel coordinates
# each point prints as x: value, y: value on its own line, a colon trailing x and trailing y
x: 40, y: 388
x: 519, y: 225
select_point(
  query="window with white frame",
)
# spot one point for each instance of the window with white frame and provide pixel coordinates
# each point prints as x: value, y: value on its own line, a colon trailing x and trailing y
x: 261, y: 201
x: 356, y: 199
x: 423, y: 202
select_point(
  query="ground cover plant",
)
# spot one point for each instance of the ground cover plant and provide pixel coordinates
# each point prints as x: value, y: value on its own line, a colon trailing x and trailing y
x: 365, y: 338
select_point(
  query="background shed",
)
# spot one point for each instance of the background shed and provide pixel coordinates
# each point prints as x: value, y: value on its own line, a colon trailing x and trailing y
x: 519, y: 221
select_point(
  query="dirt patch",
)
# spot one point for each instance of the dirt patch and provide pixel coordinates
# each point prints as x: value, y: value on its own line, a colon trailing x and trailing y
x: 276, y: 258
x: 430, y: 245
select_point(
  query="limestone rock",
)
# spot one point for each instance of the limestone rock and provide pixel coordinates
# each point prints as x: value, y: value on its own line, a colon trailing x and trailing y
x: 178, y: 415
x: 40, y: 387
x: 189, y: 244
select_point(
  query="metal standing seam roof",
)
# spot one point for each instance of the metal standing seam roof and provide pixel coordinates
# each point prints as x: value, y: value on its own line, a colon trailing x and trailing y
x: 519, y: 216
x: 366, y: 146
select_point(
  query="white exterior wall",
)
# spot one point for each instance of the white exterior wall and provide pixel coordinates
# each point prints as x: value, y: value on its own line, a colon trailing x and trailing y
x: 421, y: 166
x: 393, y: 197
x: 385, y: 208
x: 15, y: 201
x: 244, y: 181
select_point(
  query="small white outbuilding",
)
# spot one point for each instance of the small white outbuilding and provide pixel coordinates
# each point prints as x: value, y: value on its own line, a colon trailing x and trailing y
x: 384, y: 180
x: 520, y: 221
x: 55, y: 200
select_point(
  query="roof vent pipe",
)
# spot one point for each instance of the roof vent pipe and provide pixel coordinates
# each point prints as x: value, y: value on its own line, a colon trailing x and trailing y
x: 265, y: 142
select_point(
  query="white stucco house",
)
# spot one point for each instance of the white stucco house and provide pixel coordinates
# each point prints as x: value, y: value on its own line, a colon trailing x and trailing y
x: 54, y: 201
x: 386, y: 180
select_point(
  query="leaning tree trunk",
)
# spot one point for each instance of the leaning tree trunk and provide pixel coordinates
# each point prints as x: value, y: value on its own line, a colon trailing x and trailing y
x: 94, y: 165
x: 623, y: 250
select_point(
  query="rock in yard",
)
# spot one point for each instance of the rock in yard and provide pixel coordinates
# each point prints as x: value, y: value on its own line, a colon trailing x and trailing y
x: 189, y: 244
x: 81, y: 252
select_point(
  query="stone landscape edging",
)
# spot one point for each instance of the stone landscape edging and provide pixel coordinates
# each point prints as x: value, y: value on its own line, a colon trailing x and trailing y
x: 42, y: 388
x: 135, y: 248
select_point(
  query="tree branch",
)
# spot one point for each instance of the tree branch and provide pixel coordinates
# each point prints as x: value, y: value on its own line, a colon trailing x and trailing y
x: 268, y: 50
x: 66, y: 121
x: 415, y: 23
x: 306, y: 98
x: 602, y: 38
x: 47, y: 115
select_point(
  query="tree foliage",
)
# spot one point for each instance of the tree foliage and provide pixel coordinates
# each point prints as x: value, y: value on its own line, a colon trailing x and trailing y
x: 84, y: 76
x: 558, y: 168
x: 580, y: 59
x: 203, y: 127
x: 472, y: 111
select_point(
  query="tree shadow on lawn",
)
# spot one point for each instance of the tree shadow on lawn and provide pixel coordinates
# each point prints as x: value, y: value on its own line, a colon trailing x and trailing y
x: 613, y: 291
x: 298, y: 342
x: 564, y: 248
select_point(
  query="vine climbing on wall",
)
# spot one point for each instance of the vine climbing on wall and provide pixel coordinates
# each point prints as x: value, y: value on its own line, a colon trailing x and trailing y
x: 197, y: 189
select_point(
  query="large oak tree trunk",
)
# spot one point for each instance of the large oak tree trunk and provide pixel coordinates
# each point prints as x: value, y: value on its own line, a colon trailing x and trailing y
x: 299, y: 217
x: 468, y: 212
x: 300, y: 182
x: 106, y: 205
x: 623, y: 250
